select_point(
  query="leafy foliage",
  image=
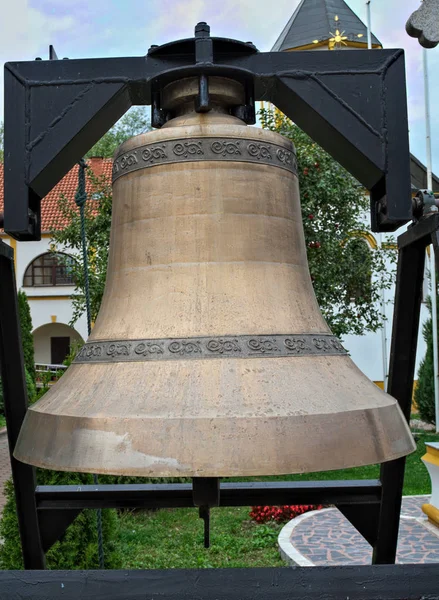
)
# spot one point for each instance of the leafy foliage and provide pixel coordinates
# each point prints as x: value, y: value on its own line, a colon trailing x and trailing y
x: 26, y: 333
x: 135, y: 121
x: 97, y: 216
x: 97, y: 226
x: 31, y: 391
x: 28, y: 349
x: 333, y: 209
x: 424, y: 392
x: 78, y: 547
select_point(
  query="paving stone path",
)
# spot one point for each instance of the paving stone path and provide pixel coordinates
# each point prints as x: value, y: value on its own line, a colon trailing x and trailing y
x: 5, y: 466
x: 327, y: 538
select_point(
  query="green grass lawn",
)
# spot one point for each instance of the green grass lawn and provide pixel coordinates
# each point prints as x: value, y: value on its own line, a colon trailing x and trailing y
x: 2, y: 421
x: 416, y: 481
x: 174, y: 538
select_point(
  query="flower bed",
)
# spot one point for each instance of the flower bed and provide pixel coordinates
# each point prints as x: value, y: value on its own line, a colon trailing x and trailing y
x: 280, y: 514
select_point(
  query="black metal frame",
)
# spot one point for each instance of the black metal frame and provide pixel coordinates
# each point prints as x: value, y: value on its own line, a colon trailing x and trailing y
x: 402, y: 582
x: 352, y: 103
x: 55, y: 110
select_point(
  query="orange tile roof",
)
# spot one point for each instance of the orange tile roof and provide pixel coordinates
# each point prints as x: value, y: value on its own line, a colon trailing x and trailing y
x: 50, y: 213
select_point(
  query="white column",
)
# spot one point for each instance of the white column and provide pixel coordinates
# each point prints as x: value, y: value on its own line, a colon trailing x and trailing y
x: 369, y: 26
x: 432, y: 255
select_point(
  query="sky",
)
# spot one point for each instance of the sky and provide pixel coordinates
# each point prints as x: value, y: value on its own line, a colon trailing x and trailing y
x: 98, y: 28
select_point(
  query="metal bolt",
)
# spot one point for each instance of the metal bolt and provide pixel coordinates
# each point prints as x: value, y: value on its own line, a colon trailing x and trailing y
x: 202, y: 29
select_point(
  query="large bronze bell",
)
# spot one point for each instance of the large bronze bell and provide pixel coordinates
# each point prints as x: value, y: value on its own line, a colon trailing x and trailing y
x: 210, y: 356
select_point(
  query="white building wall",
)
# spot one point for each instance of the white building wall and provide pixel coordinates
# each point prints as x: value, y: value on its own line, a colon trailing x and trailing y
x: 49, y: 305
x: 368, y: 351
x: 42, y: 340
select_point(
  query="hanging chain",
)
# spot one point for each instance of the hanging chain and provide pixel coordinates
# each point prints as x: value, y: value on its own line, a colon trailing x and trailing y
x: 81, y: 199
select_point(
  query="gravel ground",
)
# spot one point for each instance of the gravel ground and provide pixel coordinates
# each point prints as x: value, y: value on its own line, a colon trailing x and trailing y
x: 421, y: 425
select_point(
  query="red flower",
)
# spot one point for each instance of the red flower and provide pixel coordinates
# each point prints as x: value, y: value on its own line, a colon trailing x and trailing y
x: 280, y: 514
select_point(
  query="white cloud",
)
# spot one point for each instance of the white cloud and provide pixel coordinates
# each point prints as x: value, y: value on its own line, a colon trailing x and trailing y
x: 23, y: 29
x: 25, y: 33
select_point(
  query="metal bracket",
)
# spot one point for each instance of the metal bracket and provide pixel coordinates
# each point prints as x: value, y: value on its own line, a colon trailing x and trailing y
x: 53, y: 524
x: 364, y: 518
x: 206, y: 494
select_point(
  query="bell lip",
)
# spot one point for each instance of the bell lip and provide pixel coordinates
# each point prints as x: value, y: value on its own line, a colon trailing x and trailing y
x: 399, y: 433
x: 214, y: 473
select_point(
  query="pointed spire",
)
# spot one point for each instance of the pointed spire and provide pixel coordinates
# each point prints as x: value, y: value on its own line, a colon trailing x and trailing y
x: 312, y: 22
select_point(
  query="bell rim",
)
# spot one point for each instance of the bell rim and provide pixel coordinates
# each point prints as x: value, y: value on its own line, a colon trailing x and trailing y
x: 322, y: 454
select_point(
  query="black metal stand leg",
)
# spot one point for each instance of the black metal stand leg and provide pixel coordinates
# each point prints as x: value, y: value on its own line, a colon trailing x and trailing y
x: 206, y: 493
x: 408, y: 298
x: 15, y: 401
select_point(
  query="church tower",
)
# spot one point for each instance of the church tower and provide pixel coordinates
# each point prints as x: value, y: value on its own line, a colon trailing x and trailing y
x: 323, y: 25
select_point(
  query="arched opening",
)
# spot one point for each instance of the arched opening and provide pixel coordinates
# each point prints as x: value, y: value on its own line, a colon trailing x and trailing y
x: 52, y: 343
x: 49, y: 269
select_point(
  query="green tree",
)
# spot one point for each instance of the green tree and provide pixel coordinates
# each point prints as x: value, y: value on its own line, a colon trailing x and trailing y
x: 97, y: 215
x: 347, y: 275
x: 135, y: 121
x: 424, y: 392
x: 31, y: 391
x: 97, y: 225
x: 28, y: 349
x: 27, y: 339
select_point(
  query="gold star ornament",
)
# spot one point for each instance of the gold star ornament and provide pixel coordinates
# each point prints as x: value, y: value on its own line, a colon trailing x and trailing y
x: 338, y: 38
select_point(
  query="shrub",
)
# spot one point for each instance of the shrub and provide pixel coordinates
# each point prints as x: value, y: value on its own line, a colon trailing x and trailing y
x: 78, y: 547
x: 424, y: 393
x: 280, y: 514
x: 31, y: 391
x: 26, y: 333
x: 28, y: 349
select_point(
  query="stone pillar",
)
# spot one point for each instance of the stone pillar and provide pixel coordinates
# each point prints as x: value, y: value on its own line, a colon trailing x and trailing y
x: 431, y: 461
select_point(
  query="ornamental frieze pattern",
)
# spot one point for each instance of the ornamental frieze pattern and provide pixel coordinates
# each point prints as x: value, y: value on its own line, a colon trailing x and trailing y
x: 240, y: 346
x: 201, y: 149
